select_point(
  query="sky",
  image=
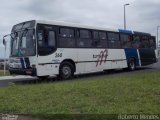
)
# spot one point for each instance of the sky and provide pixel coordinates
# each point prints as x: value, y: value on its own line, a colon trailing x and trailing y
x: 141, y: 15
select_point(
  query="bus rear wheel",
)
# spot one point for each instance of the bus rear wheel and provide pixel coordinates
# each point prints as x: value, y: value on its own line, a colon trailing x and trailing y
x: 66, y: 71
x: 43, y: 77
x: 132, y: 64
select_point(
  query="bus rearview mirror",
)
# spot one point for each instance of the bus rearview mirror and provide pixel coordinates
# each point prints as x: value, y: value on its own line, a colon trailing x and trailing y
x: 4, y: 41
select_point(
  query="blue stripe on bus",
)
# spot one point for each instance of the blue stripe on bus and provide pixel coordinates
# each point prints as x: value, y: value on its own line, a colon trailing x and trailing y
x: 132, y: 53
x: 22, y: 63
x: 125, y: 31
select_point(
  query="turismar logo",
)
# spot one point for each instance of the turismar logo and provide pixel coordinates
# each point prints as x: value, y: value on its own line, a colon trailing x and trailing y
x: 102, y: 57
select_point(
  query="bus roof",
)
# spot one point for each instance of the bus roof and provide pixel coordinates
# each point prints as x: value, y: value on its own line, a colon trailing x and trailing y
x: 67, y: 24
x: 141, y: 33
x: 125, y: 31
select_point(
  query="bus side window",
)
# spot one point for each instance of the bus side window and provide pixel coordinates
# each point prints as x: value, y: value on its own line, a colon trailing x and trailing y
x: 144, y: 42
x: 51, y: 39
x: 40, y: 38
x: 103, y: 39
x: 96, y: 35
x: 136, y: 43
x: 113, y: 40
x: 152, y: 42
x: 99, y: 39
x: 66, y: 38
x: 96, y: 39
x: 84, y: 38
x: 67, y: 32
x: 46, y: 37
x: 126, y: 40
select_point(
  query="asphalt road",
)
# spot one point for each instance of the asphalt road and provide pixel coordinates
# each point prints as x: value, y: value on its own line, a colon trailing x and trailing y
x: 7, y: 80
x: 23, y: 80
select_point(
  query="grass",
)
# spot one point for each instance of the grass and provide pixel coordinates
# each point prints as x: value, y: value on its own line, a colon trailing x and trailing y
x: 128, y: 94
x: 2, y: 73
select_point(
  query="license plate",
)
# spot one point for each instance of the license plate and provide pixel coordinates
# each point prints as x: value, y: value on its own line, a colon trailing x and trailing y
x: 29, y: 72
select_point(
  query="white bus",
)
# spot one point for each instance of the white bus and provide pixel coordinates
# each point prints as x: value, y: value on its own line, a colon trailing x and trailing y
x: 46, y: 48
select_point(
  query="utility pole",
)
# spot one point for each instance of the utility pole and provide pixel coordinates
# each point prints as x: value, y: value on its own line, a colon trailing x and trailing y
x: 125, y: 15
x: 157, y: 35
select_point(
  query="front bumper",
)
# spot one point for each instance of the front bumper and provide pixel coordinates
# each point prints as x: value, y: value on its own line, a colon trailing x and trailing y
x: 31, y: 71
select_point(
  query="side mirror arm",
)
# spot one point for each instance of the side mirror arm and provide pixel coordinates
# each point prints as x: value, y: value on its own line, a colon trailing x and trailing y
x: 4, y: 41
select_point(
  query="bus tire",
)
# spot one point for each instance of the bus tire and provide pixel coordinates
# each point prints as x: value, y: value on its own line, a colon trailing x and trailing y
x: 131, y: 64
x: 43, y: 77
x: 66, y: 70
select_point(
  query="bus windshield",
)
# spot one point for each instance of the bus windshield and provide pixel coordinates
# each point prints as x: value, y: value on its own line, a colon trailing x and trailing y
x: 23, y: 39
x: 23, y: 43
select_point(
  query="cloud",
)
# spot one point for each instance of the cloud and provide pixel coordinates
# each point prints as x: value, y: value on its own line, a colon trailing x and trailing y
x: 142, y: 15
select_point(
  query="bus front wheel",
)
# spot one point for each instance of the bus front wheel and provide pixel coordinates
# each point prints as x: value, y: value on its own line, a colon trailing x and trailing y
x: 66, y: 70
x: 132, y: 64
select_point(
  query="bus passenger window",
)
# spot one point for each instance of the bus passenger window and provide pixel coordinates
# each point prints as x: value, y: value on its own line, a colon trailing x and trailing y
x: 102, y: 35
x: 113, y: 40
x: 85, y: 34
x: 126, y: 40
x: 84, y: 40
x: 144, y: 42
x: 99, y: 39
x: 136, y: 43
x: 46, y: 38
x: 40, y: 38
x: 96, y: 40
x: 152, y: 42
x: 66, y: 32
x: 51, y: 38
x: 103, y: 39
x: 95, y: 35
x: 66, y: 38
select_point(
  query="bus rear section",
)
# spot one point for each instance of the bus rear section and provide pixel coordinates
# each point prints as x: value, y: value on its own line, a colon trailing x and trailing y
x: 139, y: 46
x: 142, y: 57
x: 147, y: 56
x: 146, y: 45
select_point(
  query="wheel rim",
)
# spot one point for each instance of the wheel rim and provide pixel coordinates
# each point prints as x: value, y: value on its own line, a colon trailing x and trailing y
x: 66, y: 70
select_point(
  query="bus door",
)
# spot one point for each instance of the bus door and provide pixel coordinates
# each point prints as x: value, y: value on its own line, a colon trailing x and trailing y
x: 46, y: 40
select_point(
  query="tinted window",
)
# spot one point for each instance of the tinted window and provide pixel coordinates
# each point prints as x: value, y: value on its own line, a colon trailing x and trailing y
x: 113, y: 36
x: 99, y: 39
x: 51, y: 38
x: 152, y: 42
x: 113, y: 40
x: 102, y: 35
x: 66, y: 38
x: 66, y: 32
x: 136, y: 43
x: 41, y: 38
x: 46, y: 37
x: 85, y: 34
x: 95, y: 35
x: 84, y: 40
x: 144, y: 42
x: 126, y: 41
